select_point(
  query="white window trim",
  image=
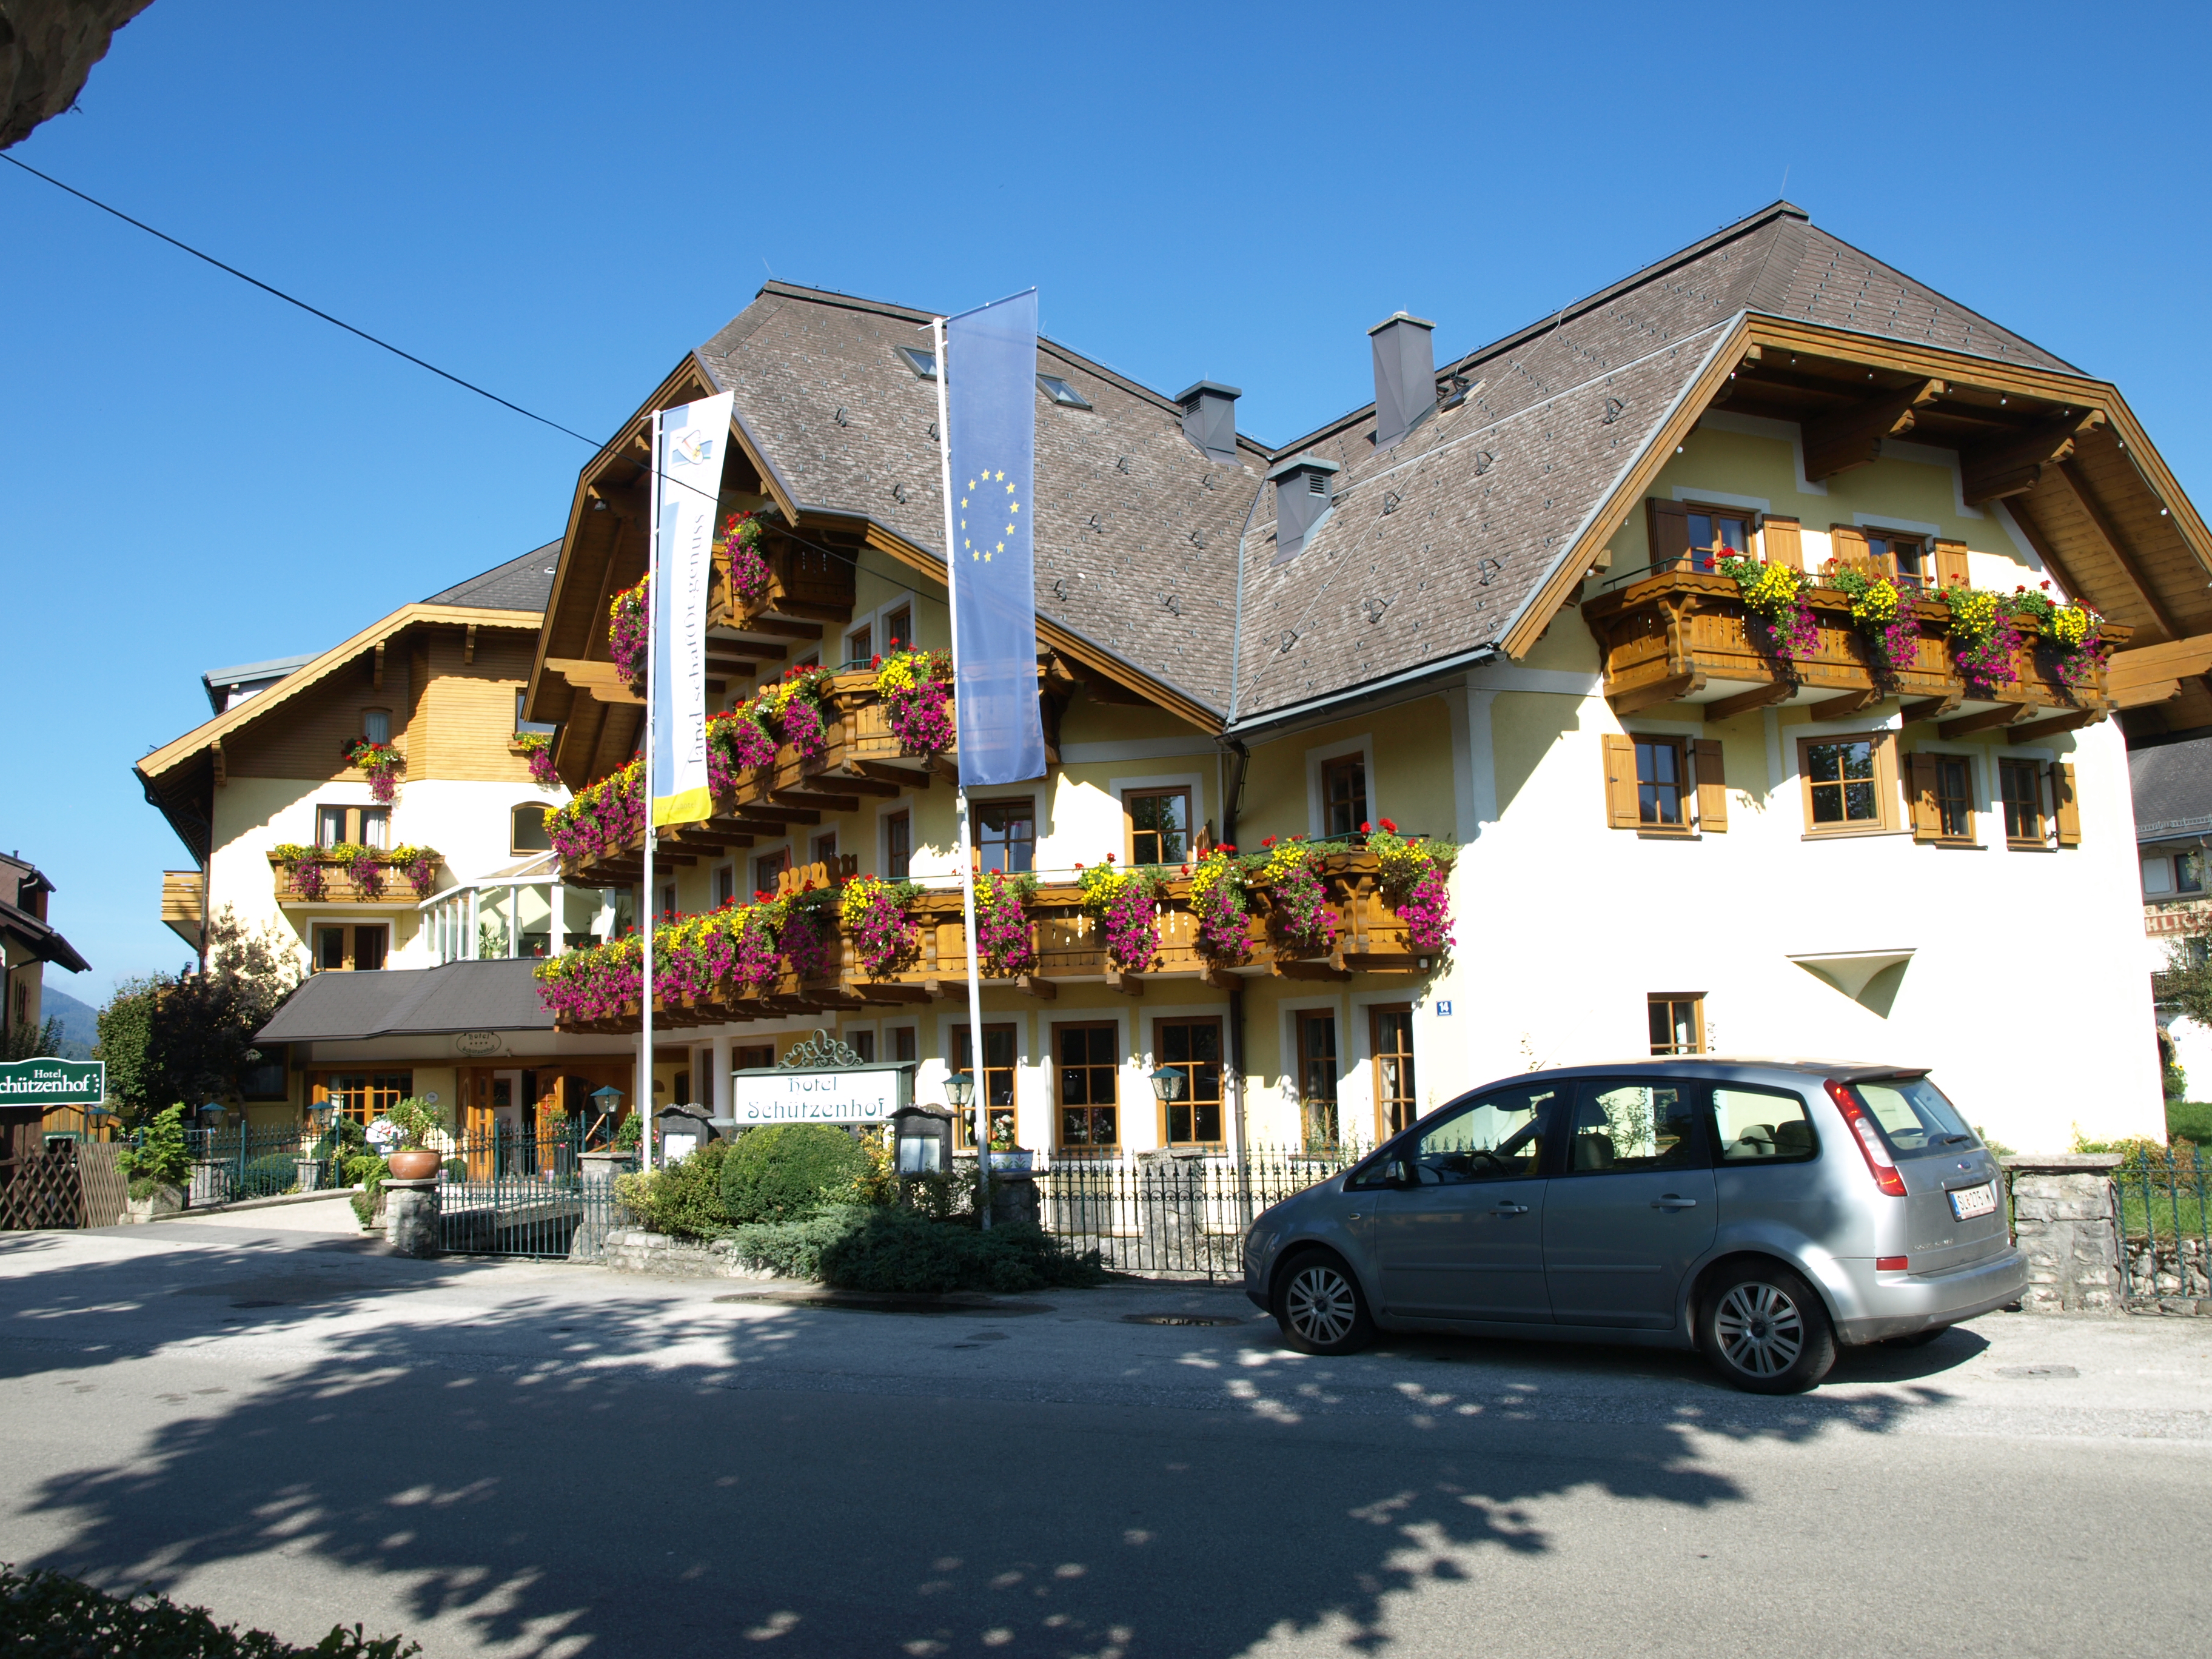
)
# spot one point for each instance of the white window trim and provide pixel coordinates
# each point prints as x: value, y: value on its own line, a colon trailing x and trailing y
x: 1129, y: 1074
x: 1317, y: 808
x: 906, y: 599
x: 1121, y: 787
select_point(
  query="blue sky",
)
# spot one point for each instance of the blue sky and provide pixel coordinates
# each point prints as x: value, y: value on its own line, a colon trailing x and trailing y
x: 557, y: 200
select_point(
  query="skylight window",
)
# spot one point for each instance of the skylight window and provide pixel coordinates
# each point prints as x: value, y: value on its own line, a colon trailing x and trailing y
x: 923, y: 363
x: 1061, y: 393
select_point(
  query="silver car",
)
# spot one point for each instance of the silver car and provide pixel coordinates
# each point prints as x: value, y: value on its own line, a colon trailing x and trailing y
x: 1761, y: 1210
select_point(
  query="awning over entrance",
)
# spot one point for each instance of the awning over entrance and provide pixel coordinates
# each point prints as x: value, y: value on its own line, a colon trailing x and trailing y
x: 461, y: 996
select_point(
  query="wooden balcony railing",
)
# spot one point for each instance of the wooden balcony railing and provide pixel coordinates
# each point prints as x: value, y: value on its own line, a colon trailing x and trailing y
x: 399, y: 879
x: 184, y: 900
x: 1069, y: 950
x: 804, y: 582
x: 1686, y: 637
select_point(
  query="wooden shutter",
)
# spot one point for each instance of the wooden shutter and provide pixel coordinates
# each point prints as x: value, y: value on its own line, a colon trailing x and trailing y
x: 1920, y: 798
x: 1848, y: 546
x: 2064, y: 808
x: 1620, y: 783
x: 1670, y: 540
x: 1782, y: 546
x: 1712, y: 787
x: 1951, y: 565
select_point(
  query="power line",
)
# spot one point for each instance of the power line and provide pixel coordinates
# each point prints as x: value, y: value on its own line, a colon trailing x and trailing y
x: 362, y: 333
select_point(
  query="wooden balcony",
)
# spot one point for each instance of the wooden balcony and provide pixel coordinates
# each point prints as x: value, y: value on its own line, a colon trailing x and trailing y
x: 806, y: 584
x: 1370, y: 940
x: 1685, y: 638
x: 393, y: 891
x: 184, y: 900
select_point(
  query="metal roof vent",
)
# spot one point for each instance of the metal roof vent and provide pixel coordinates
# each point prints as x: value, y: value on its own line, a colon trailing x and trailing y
x: 1209, y: 419
x: 1405, y: 376
x: 1305, y: 490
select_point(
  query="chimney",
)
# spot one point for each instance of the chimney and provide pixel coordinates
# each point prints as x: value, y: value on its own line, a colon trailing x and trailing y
x: 1209, y: 419
x: 1306, y: 490
x: 1405, y: 376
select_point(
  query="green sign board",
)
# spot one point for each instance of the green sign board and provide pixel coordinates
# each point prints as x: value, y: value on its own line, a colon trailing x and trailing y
x: 53, y: 1083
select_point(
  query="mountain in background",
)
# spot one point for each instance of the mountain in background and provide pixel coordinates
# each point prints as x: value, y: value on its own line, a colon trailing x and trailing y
x: 80, y: 1024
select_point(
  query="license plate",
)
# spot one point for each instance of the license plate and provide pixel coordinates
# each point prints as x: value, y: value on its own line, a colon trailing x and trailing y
x: 1967, y: 1202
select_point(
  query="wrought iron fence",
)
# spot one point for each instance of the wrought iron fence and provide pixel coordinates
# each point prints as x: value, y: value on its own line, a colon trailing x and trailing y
x: 507, y: 1194
x: 230, y: 1165
x: 1173, y: 1214
x: 2165, y: 1223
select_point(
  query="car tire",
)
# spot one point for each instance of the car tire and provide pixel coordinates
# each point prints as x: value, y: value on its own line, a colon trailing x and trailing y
x: 1319, y: 1307
x: 1764, y: 1330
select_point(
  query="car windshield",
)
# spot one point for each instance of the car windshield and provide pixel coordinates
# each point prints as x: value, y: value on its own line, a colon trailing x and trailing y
x: 1913, y: 1114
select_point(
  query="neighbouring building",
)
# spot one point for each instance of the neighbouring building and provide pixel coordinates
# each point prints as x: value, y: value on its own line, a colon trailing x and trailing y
x: 28, y: 941
x: 2173, y: 791
x: 417, y: 909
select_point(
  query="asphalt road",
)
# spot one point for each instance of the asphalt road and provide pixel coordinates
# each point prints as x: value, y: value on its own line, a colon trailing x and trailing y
x: 263, y: 1414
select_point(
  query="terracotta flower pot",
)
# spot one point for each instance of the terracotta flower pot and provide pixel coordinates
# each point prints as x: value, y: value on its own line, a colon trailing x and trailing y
x: 413, y: 1166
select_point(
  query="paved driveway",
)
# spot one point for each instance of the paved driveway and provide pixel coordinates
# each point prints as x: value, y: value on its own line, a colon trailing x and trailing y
x: 261, y: 1413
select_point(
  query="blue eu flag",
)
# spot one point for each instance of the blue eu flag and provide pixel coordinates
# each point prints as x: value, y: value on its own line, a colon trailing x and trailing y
x: 990, y: 392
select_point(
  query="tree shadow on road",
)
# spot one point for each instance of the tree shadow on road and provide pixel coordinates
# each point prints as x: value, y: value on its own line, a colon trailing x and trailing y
x: 548, y: 1473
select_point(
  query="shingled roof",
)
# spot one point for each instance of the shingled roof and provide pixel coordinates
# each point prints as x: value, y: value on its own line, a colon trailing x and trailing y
x: 520, y: 584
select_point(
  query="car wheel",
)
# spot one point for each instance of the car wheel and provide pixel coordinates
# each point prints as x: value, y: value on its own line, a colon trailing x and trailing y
x: 1319, y: 1307
x: 1917, y: 1339
x: 1764, y: 1330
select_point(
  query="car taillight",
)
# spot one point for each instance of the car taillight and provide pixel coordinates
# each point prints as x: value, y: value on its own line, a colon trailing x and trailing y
x: 1891, y: 1264
x: 1877, y: 1155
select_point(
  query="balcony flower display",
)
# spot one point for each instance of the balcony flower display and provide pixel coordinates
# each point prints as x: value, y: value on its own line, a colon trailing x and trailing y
x: 693, y: 956
x: 418, y: 864
x: 792, y: 708
x: 735, y: 740
x: 1984, y: 641
x: 1775, y: 595
x: 368, y: 868
x: 2069, y: 633
x: 303, y: 868
x: 1002, y: 924
x: 1124, y: 902
x: 381, y: 762
x: 740, y: 539
x: 626, y: 625
x: 873, y: 913
x: 1885, y: 614
x: 1293, y: 869
x: 1221, y: 900
x: 365, y: 866
x: 1415, y: 873
x: 537, y: 748
x: 913, y: 686
x: 596, y: 982
x: 603, y: 819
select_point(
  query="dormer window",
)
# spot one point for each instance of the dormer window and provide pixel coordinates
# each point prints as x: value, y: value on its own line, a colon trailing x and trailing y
x: 1061, y: 393
x: 923, y: 363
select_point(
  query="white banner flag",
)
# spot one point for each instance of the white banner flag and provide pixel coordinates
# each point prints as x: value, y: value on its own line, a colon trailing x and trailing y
x: 692, y: 439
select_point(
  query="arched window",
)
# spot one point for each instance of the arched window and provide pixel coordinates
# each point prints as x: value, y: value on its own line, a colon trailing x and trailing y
x: 527, y: 829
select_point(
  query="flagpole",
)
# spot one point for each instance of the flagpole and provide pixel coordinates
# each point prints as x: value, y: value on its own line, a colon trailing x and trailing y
x: 644, y: 986
x: 980, y: 1096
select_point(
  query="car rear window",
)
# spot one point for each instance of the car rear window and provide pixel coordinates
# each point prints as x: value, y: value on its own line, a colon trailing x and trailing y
x: 1913, y: 1115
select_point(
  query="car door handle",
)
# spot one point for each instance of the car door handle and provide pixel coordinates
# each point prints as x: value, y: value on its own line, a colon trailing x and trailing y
x: 1510, y: 1209
x: 1671, y: 1202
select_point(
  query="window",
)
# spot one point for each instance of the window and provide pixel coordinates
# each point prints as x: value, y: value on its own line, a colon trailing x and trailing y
x: 1395, y: 1096
x: 860, y: 644
x: 767, y: 867
x: 329, y: 825
x: 1629, y: 1127
x: 1343, y: 794
x: 725, y: 885
x: 339, y: 948
x: 264, y: 1078
x: 1005, y: 835
x: 1905, y: 558
x: 527, y: 832
x: 822, y: 849
x: 863, y: 1043
x: 363, y: 1096
x: 1087, y: 1077
x: 1678, y: 1022
x: 2189, y: 872
x: 1915, y: 1115
x: 668, y: 901
x: 997, y: 1088
x: 1191, y: 1047
x: 1317, y: 1078
x: 1159, y: 825
x: 2157, y: 877
x: 1954, y: 797
x: 330, y: 948
x: 376, y: 725
x: 1714, y: 534
x: 899, y: 629
x: 902, y: 1041
x: 753, y: 1057
x: 1061, y: 393
x: 359, y: 826
x: 522, y: 697
x: 1754, y: 1126
x: 1850, y: 783
x: 2021, y: 784
x: 923, y: 363
x: 368, y: 948
x: 898, y: 846
x: 1499, y: 1136
x: 1660, y: 778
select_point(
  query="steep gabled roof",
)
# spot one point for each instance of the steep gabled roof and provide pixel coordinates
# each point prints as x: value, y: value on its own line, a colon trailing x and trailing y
x: 520, y: 584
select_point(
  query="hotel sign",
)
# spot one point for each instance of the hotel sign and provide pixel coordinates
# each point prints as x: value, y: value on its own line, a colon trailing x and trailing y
x: 841, y: 1094
x: 53, y: 1083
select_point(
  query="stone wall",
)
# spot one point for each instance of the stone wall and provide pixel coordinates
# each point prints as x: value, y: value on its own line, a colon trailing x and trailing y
x: 2167, y: 1277
x: 633, y: 1249
x: 2063, y: 1216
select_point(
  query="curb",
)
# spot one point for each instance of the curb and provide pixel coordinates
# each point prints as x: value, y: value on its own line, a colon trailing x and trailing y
x: 254, y: 1204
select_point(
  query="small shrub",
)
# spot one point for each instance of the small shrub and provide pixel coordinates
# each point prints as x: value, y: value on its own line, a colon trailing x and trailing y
x: 160, y: 1158
x: 266, y: 1177
x: 45, y: 1613
x: 364, y: 1209
x: 788, y: 1170
x: 683, y: 1199
x: 858, y: 1248
x: 416, y: 1120
x: 455, y: 1170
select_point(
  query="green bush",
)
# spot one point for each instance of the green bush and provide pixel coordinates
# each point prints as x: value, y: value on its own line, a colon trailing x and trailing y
x: 2189, y: 1120
x: 683, y: 1199
x: 787, y: 1171
x: 45, y: 1613
x: 858, y: 1248
x: 160, y: 1158
x: 266, y: 1177
x: 455, y: 1170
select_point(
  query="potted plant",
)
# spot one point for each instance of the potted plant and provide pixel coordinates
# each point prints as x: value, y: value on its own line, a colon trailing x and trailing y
x: 416, y: 1120
x: 1006, y: 1158
x: 157, y: 1167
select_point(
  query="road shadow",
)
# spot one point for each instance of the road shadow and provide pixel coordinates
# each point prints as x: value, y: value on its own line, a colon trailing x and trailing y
x: 521, y: 1478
